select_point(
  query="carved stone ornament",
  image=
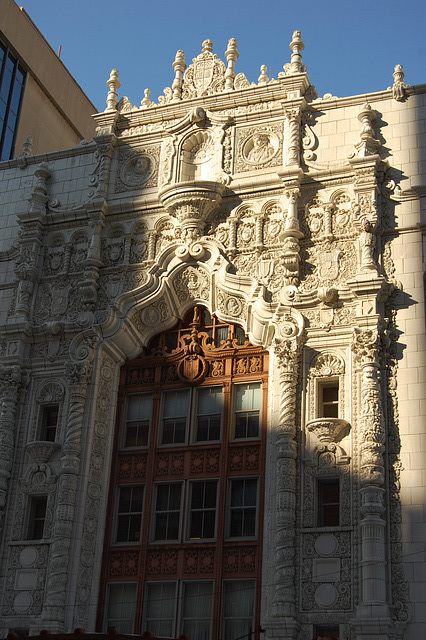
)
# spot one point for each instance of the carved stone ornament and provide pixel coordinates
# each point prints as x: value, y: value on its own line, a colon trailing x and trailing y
x: 328, y: 429
x: 206, y: 74
x: 259, y: 148
x: 138, y: 169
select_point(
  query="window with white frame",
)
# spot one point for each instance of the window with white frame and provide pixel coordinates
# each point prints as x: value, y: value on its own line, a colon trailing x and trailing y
x: 174, y: 608
x: 167, y: 512
x: 328, y: 399
x: 160, y: 605
x: 197, y: 610
x: 129, y: 514
x: 242, y: 507
x: 209, y: 414
x: 202, y: 510
x: 247, y: 410
x: 175, y: 412
x: 120, y: 607
x: 137, y: 420
x: 238, y: 598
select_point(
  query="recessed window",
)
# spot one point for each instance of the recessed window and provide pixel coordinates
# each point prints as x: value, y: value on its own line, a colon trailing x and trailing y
x: 209, y: 414
x: 197, y: 609
x: 49, y: 423
x: 37, y: 517
x: 247, y: 410
x: 137, y: 421
x: 328, y: 400
x: 167, y: 511
x: 174, y: 608
x: 202, y: 514
x: 160, y: 605
x: 129, y: 513
x: 238, y: 608
x: 242, y: 508
x: 175, y: 416
x: 328, y: 502
x: 331, y: 632
x: 120, y: 607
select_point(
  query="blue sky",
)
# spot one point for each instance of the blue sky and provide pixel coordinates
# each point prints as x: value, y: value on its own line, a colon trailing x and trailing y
x: 351, y: 46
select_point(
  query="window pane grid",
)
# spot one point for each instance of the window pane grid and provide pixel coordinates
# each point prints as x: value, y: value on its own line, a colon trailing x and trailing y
x: 129, y: 514
x: 247, y: 410
x: 203, y: 510
x: 167, y: 512
x: 121, y: 606
x: 160, y: 609
x: 243, y: 508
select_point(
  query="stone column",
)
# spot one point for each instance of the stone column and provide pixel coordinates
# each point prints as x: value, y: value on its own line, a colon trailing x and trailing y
x: 10, y: 378
x: 287, y: 353
x: 294, y: 119
x: 372, y: 612
x: 55, y: 601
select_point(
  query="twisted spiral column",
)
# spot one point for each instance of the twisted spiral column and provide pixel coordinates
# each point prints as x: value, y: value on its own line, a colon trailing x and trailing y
x: 10, y: 378
x: 56, y: 583
x: 288, y: 356
x: 366, y: 346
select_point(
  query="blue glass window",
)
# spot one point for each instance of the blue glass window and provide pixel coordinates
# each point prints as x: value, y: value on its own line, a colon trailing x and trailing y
x: 12, y: 80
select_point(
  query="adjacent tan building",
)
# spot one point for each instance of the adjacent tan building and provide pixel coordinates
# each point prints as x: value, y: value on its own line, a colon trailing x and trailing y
x: 52, y: 109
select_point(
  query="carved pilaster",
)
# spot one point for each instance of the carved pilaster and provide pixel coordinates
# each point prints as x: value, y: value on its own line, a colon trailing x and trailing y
x: 10, y: 378
x: 294, y: 139
x: 291, y: 236
x: 366, y: 347
x: 287, y: 353
x: 79, y: 376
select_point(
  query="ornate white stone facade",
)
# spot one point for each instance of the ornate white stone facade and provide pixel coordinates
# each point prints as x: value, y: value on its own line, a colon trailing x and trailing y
x: 296, y: 217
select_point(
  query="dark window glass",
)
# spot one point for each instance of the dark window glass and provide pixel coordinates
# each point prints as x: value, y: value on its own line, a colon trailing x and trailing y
x: 11, y: 87
x: 129, y: 514
x: 167, y: 512
x: 209, y: 414
x: 138, y: 416
x: 203, y: 510
x: 37, y: 517
x: 175, y: 415
x: 242, y: 516
x: 329, y: 401
x: 49, y: 423
x: 328, y: 502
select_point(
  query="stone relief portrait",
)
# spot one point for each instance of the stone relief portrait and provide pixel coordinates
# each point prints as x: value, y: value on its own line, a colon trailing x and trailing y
x: 137, y: 169
x: 258, y: 148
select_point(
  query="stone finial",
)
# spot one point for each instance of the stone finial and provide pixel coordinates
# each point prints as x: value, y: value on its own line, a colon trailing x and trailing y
x: 113, y: 85
x: 398, y: 89
x: 367, y: 145
x: 27, y: 151
x: 146, y: 102
x: 179, y: 67
x: 263, y: 78
x: 296, y: 45
x: 232, y: 56
x: 207, y: 46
